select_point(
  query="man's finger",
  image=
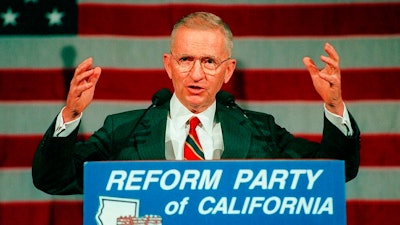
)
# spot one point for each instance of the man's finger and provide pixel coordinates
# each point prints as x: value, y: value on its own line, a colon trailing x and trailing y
x: 95, y: 76
x: 330, y: 50
x: 84, y: 65
x: 310, y: 65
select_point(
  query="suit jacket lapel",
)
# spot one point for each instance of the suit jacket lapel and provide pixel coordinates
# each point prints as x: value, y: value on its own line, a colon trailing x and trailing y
x: 150, y: 134
x: 236, y: 132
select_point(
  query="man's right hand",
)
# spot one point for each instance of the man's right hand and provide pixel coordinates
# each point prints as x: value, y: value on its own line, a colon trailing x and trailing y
x: 81, y: 89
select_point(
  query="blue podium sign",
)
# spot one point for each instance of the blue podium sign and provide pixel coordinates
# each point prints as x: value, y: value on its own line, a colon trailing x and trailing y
x: 215, y: 192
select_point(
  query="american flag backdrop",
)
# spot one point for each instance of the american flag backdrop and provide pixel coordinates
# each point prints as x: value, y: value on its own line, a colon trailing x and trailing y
x: 41, y: 41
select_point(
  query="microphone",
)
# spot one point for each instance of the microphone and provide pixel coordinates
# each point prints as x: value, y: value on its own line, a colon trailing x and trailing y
x: 158, y: 99
x: 228, y: 100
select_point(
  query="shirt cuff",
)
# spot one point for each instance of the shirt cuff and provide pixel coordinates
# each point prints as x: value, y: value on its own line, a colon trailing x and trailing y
x: 342, y: 123
x: 64, y: 129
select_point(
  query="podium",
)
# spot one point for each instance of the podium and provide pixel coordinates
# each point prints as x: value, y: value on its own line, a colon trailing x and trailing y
x: 276, y: 192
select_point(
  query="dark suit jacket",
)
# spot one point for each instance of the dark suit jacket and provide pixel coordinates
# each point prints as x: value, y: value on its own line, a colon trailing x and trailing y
x: 58, y: 162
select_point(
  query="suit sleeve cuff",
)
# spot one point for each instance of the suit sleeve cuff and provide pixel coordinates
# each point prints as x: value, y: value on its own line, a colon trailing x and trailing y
x: 64, y: 129
x: 342, y: 123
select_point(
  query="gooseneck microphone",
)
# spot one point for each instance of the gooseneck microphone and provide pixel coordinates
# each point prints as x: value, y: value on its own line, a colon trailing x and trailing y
x: 228, y: 100
x: 159, y: 98
x: 225, y: 99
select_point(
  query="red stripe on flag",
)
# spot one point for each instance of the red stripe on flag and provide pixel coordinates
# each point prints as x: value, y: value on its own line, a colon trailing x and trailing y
x: 373, y: 212
x: 18, y: 150
x: 41, y: 213
x: 376, y: 150
x: 37, y: 84
x: 244, y: 20
x: 380, y: 150
x: 257, y: 85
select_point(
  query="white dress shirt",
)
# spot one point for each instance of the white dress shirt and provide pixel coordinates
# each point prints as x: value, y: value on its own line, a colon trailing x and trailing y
x: 209, y: 131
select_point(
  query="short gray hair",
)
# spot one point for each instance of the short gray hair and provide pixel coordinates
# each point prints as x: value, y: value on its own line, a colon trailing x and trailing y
x: 205, y: 20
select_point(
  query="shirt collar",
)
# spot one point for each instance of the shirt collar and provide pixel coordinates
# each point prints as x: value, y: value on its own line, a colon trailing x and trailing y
x: 180, y: 115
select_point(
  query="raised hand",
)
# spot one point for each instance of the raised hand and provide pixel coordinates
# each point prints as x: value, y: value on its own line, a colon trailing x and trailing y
x: 327, y: 81
x: 81, y: 90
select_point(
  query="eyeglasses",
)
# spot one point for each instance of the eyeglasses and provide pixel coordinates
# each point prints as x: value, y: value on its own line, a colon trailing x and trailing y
x: 209, y: 64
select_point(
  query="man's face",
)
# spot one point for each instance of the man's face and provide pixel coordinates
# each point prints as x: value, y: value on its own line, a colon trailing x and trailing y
x: 196, y: 87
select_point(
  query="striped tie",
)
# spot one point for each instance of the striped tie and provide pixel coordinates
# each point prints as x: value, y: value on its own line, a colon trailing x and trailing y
x: 192, y: 148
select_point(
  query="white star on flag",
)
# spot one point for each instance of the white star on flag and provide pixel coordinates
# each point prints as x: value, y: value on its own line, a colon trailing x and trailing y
x: 9, y: 17
x: 55, y: 17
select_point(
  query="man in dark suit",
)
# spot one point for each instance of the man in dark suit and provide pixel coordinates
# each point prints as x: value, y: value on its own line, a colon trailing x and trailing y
x: 198, y: 64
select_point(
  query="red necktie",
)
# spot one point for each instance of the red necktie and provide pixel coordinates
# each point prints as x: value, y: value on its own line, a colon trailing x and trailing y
x: 192, y: 148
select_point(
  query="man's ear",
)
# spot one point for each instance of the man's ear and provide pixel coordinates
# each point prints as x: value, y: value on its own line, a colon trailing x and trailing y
x: 229, y: 70
x: 167, y: 64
